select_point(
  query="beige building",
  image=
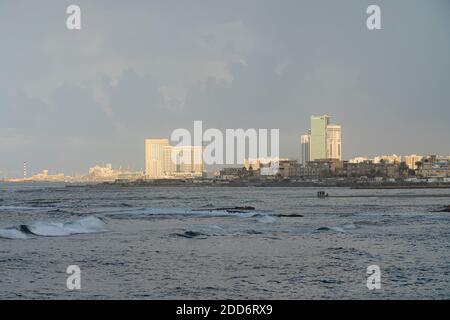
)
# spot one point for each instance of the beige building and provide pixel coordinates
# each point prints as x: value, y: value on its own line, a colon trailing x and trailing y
x: 168, y: 164
x: 412, y: 160
x: 359, y: 160
x: 334, y: 141
x: 45, y: 176
x: 187, y: 160
x: 165, y: 161
x: 388, y: 159
x: 154, y: 157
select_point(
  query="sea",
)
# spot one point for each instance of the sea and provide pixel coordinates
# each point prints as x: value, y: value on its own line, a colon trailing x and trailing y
x: 146, y: 242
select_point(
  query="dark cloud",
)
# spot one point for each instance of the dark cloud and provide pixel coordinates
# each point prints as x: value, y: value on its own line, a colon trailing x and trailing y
x: 70, y: 99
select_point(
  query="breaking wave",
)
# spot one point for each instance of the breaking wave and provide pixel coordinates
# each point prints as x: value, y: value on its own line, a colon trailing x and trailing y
x: 192, y: 234
x: 206, y: 212
x: 12, y: 233
x: 265, y: 218
x: 338, y: 228
x: 89, y: 224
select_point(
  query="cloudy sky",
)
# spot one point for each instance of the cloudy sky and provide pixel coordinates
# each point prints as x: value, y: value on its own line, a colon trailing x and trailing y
x: 140, y: 69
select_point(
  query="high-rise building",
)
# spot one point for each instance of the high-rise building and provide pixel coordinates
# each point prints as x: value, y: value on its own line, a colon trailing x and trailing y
x: 325, y: 140
x: 165, y: 161
x: 154, y: 157
x: 187, y: 160
x: 318, y: 146
x: 334, y: 142
x: 305, y: 144
x: 169, y: 165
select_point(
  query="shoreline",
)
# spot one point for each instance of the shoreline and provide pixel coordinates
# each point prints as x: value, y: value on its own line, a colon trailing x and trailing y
x: 240, y: 184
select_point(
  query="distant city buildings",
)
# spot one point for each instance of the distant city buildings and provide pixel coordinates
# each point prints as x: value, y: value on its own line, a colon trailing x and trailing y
x: 323, y: 140
x: 387, y: 159
x: 321, y: 160
x: 186, y: 161
x: 45, y: 176
x: 434, y: 167
x: 411, y: 160
x: 165, y: 161
x: 256, y: 164
x: 103, y: 173
x: 359, y: 160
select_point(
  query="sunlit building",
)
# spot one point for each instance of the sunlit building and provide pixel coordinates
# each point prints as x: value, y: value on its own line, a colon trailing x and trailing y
x: 411, y: 161
x: 186, y: 160
x: 165, y: 161
x: 388, y: 159
x: 334, y: 141
x: 359, y: 160
x: 305, y: 145
x: 154, y: 157
x: 45, y: 176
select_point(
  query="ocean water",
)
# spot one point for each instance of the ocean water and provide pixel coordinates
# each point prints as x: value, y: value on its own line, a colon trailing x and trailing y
x: 166, y: 243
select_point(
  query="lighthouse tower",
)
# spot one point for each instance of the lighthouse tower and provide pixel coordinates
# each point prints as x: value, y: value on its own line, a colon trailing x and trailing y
x: 24, y: 169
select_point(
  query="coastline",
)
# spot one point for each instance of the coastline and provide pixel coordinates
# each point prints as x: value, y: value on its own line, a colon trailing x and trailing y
x: 239, y: 184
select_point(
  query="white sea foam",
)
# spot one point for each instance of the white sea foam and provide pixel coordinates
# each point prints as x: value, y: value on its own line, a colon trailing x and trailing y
x: 187, y: 211
x: 265, y: 219
x: 89, y: 224
x: 338, y: 228
x: 12, y: 233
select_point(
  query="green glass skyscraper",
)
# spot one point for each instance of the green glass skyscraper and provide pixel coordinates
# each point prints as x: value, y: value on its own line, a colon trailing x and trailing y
x: 318, y: 147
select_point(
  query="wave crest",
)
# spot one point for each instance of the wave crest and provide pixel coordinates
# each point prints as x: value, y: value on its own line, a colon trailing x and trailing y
x: 89, y: 224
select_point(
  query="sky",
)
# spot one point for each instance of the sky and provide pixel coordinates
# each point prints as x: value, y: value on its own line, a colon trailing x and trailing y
x: 70, y: 99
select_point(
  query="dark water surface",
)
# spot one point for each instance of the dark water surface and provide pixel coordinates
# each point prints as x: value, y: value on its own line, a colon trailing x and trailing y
x: 163, y: 243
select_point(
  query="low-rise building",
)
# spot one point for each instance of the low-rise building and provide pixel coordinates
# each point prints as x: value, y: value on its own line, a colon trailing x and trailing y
x: 381, y: 169
x: 231, y: 173
x: 434, y: 167
x: 45, y: 176
x: 388, y: 159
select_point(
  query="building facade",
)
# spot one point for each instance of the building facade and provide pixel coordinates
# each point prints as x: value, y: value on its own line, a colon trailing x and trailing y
x: 165, y: 161
x: 305, y: 144
x: 186, y: 160
x: 434, y: 167
x: 318, y: 146
x: 412, y: 160
x: 334, y: 142
x: 154, y: 157
x: 387, y: 159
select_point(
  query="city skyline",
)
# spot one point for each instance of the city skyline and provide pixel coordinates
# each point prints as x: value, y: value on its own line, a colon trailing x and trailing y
x: 159, y: 160
x: 323, y: 141
x: 71, y: 99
